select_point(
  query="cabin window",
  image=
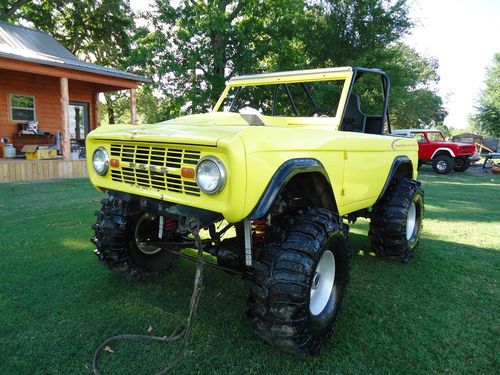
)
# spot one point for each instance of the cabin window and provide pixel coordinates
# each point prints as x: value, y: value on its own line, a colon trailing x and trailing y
x: 22, y: 107
x: 419, y: 137
x: 302, y: 99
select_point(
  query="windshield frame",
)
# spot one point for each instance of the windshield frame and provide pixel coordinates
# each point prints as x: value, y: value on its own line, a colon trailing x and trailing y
x: 319, y: 75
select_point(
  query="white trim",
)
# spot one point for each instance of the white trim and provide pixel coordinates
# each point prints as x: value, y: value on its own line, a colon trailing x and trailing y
x: 443, y: 149
x: 398, y: 131
x: 11, y: 107
x: 291, y: 73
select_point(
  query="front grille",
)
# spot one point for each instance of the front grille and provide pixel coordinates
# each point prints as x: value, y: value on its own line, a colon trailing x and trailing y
x: 155, y: 167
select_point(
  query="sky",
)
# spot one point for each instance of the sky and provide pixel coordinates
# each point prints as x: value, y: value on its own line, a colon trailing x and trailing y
x: 462, y: 34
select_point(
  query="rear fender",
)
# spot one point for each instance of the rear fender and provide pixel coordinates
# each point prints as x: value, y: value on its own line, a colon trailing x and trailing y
x: 401, y: 167
x: 443, y: 150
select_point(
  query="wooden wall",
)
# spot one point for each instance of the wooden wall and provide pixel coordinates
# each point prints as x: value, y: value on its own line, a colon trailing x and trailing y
x: 46, y: 91
x: 29, y: 170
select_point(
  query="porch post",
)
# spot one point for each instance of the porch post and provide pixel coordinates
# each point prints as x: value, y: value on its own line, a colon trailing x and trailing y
x: 133, y: 107
x: 66, y: 142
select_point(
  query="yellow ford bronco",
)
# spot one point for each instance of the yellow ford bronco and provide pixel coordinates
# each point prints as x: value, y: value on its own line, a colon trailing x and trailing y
x: 272, y: 175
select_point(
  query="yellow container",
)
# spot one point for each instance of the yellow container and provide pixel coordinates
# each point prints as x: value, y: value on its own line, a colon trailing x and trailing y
x: 39, y: 152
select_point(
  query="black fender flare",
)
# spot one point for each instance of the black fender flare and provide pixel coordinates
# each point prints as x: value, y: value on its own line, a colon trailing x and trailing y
x: 285, y: 172
x: 398, y: 161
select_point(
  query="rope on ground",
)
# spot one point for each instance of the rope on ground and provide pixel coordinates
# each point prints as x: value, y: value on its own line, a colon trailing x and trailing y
x: 179, y: 333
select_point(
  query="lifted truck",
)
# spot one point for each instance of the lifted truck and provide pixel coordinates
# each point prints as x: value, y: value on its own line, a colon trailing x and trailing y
x: 272, y: 173
x: 434, y: 149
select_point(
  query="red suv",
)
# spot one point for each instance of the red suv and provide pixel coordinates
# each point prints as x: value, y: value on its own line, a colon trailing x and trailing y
x: 444, y: 156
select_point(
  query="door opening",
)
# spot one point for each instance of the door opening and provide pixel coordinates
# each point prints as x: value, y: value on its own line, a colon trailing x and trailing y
x: 79, y: 127
x: 79, y: 120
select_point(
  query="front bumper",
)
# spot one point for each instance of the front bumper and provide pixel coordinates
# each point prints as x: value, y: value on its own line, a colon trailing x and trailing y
x: 139, y: 204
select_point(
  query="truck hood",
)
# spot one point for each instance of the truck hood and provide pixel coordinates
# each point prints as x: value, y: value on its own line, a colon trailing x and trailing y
x: 203, y: 130
x: 213, y: 118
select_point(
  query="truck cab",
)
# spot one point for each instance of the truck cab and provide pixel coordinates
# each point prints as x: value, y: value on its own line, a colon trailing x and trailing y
x: 444, y: 155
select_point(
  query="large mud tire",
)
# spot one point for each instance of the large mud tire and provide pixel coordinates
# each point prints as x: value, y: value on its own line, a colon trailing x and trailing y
x: 280, y: 300
x: 396, y: 222
x: 116, y: 245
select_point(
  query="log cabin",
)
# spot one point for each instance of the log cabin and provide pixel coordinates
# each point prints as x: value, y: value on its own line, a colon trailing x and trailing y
x: 43, y: 82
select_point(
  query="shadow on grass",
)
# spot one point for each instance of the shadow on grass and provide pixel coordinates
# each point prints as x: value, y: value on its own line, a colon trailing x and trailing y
x: 425, y: 305
x: 437, y: 314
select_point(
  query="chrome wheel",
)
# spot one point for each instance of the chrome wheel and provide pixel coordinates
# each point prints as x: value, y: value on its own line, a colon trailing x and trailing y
x: 322, y: 284
x: 441, y: 165
x: 146, y: 231
x: 411, y: 220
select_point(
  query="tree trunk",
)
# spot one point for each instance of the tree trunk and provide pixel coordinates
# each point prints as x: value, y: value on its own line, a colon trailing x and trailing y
x: 77, y: 123
x: 219, y: 56
x: 218, y: 43
x: 110, y: 109
x: 111, y: 114
x: 7, y: 12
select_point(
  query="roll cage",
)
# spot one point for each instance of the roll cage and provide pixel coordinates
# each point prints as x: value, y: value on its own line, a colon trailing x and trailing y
x: 348, y: 116
x: 373, y: 125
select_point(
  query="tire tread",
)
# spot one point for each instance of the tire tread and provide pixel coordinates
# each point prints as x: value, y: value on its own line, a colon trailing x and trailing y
x: 280, y: 285
x: 388, y: 221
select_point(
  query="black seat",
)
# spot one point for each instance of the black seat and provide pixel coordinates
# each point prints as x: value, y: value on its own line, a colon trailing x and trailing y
x: 374, y: 125
x: 354, y: 120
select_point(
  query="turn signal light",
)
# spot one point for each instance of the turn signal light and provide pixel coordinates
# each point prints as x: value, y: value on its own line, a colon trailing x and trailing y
x: 187, y: 172
x: 115, y: 163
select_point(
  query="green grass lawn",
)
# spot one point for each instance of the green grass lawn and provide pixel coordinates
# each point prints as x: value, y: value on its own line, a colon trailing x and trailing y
x: 437, y: 314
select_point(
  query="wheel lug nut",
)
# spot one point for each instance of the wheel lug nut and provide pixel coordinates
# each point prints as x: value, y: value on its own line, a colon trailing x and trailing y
x: 316, y: 278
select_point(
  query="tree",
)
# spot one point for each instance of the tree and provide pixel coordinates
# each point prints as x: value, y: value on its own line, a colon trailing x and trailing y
x: 414, y: 102
x: 9, y: 7
x: 203, y: 43
x: 212, y: 40
x: 487, y: 119
x: 353, y: 32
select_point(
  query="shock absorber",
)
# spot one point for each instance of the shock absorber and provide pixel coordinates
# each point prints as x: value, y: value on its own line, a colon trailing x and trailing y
x: 166, y: 224
x: 171, y: 225
x: 259, y: 229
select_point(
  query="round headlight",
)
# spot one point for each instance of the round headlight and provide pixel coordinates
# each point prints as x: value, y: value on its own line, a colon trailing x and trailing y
x: 100, y: 161
x: 210, y: 175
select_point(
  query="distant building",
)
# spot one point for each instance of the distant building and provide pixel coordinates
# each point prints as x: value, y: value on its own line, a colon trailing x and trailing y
x: 468, y: 138
x: 42, y: 81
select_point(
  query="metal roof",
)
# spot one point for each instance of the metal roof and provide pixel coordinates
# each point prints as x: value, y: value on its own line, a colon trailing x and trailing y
x: 24, y: 44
